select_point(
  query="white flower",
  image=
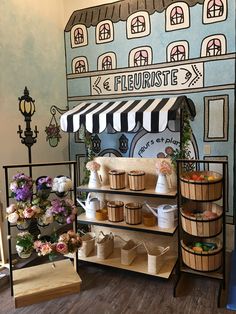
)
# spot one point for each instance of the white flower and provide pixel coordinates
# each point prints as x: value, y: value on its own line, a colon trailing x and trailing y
x: 19, y: 248
x: 13, y: 217
x: 11, y: 209
x: 47, y: 219
x: 62, y: 184
x: 13, y: 186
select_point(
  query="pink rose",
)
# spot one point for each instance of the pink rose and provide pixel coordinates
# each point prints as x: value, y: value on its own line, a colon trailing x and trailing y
x: 36, y: 209
x: 62, y: 248
x: 46, y: 249
x: 28, y: 212
x: 37, y: 245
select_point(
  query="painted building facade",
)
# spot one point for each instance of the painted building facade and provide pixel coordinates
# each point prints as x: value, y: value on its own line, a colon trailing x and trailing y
x: 154, y: 49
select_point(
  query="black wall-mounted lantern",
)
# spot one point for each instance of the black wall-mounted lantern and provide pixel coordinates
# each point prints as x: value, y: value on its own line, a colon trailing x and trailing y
x: 123, y: 143
x: 27, y: 108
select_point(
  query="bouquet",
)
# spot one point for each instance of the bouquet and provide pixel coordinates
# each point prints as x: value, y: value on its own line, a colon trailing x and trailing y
x: 44, y: 183
x: 63, y: 210
x: 67, y: 243
x: 163, y: 167
x: 21, y: 187
x: 21, y: 211
x: 93, y: 166
x: 62, y: 184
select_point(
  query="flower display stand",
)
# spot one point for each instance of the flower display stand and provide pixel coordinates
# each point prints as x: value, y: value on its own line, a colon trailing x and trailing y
x: 45, y: 282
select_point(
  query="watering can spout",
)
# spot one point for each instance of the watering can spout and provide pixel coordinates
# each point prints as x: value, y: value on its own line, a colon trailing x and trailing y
x: 81, y: 204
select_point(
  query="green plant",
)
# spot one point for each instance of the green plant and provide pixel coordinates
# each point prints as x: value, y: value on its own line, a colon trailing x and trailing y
x: 184, y: 151
x: 25, y: 240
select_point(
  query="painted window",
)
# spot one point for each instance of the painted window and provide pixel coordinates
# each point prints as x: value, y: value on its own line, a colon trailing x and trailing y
x: 107, y: 61
x: 213, y: 46
x: 80, y: 65
x: 214, y: 11
x: 140, y: 56
x: 79, y: 36
x: 104, y: 32
x: 216, y: 118
x: 138, y: 25
x: 177, y: 51
x: 177, y: 16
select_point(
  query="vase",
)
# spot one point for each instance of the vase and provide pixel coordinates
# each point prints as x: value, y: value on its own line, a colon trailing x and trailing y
x: 44, y: 193
x: 94, y: 180
x: 21, y: 253
x: 162, y: 184
x: 23, y: 224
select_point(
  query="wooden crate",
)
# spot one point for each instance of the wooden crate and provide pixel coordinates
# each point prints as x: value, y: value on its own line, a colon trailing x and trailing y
x: 44, y: 282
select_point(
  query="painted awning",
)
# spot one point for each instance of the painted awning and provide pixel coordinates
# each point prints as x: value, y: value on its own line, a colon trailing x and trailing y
x: 124, y: 116
x: 119, y: 11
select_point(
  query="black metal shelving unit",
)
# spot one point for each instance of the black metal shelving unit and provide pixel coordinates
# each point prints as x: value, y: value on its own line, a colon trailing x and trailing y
x: 73, y: 173
x: 220, y: 273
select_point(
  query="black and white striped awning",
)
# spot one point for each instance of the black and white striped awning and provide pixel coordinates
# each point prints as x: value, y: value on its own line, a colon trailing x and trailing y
x: 124, y: 116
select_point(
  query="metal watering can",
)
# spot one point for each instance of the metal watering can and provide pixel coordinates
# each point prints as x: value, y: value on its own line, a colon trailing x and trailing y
x: 92, y: 204
x: 166, y: 215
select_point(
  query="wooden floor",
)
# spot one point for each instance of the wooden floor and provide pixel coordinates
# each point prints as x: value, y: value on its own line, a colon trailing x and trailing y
x: 106, y: 290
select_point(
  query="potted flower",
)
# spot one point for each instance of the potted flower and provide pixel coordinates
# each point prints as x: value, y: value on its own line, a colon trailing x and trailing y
x: 21, y: 187
x: 66, y: 243
x: 21, y: 214
x: 43, y: 186
x: 94, y: 180
x: 63, y: 210
x: 61, y: 185
x: 24, y: 244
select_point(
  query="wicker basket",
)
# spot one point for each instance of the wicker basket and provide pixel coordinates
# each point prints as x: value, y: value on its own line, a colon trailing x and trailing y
x: 202, y: 261
x: 201, y: 190
x: 198, y: 225
x: 115, y: 211
x: 156, y: 259
x: 105, y: 245
x: 117, y: 179
x: 128, y: 252
x: 133, y: 213
x: 88, y: 244
x: 136, y: 180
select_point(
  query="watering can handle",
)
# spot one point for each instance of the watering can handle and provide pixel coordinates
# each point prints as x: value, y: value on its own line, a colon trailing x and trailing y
x: 166, y: 249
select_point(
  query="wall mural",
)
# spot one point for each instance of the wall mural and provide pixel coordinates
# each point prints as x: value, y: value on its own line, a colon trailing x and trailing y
x: 154, y: 49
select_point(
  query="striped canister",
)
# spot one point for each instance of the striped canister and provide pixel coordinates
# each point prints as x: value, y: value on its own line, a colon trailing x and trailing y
x: 133, y: 213
x: 115, y: 211
x: 117, y: 179
x: 136, y: 180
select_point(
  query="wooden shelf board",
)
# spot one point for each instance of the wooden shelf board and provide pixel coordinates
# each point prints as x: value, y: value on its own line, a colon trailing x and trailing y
x: 123, y: 225
x: 146, y: 192
x: 211, y: 274
x: 44, y: 282
x: 139, y: 265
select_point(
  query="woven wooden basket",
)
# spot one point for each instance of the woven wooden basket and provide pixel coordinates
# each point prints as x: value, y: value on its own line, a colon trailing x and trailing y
x: 105, y: 245
x: 117, y: 179
x: 88, y: 244
x: 133, y: 213
x: 201, y: 190
x: 115, y: 211
x: 136, y: 180
x: 203, y: 261
x: 128, y: 252
x: 197, y: 225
